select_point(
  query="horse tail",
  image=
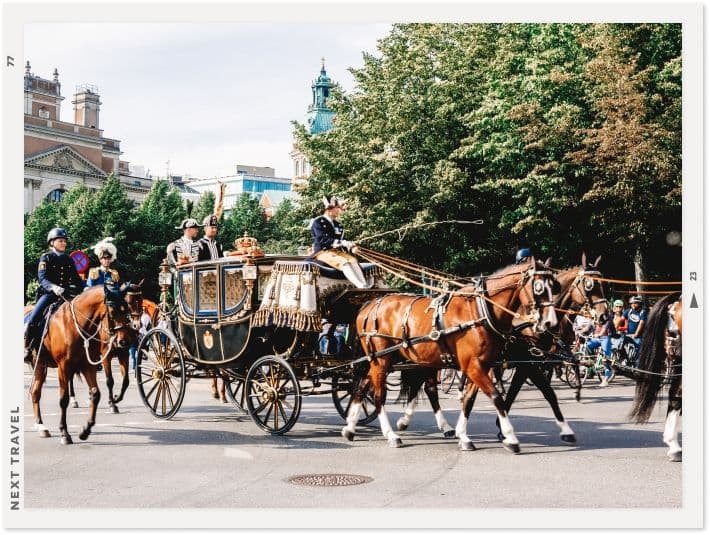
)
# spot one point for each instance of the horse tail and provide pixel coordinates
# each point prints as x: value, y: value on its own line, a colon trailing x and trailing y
x: 411, y: 384
x: 652, y: 355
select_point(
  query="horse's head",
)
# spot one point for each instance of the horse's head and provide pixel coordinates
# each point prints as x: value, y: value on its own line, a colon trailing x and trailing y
x: 134, y: 300
x: 587, y: 293
x: 538, y: 286
x: 118, y: 315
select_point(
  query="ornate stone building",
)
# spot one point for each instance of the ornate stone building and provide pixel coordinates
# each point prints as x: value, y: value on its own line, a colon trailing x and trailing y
x: 319, y: 119
x: 60, y: 154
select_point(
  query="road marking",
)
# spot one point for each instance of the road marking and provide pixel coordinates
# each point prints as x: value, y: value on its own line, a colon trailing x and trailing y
x: 236, y: 453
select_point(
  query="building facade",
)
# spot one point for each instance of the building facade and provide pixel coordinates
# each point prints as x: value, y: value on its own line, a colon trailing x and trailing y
x: 261, y: 182
x: 319, y: 119
x: 60, y: 154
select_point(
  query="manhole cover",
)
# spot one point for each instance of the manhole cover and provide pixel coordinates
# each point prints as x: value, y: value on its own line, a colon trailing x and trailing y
x: 328, y: 480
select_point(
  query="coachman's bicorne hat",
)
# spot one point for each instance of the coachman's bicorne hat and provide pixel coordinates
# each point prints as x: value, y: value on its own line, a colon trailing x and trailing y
x: 189, y: 223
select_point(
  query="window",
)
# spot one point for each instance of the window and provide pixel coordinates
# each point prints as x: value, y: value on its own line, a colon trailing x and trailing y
x: 188, y: 291
x: 44, y: 113
x: 234, y: 290
x: 207, y: 294
x: 56, y: 195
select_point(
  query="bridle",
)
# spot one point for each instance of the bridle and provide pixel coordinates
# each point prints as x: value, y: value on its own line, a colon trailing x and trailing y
x: 584, y: 283
x: 135, y: 306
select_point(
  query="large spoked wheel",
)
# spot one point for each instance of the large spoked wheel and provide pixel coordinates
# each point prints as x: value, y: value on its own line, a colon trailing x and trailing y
x: 235, y: 393
x: 273, y: 395
x: 343, y: 389
x: 160, y: 373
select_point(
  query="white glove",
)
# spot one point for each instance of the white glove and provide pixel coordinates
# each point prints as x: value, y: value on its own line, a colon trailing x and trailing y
x: 347, y: 244
x: 58, y: 290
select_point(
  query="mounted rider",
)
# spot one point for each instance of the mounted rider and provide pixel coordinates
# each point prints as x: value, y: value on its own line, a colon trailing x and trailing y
x: 106, y: 252
x: 330, y: 248
x: 58, y: 278
x: 187, y: 248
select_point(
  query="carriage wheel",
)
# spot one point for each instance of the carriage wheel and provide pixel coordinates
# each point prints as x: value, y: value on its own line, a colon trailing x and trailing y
x: 453, y: 377
x: 343, y: 398
x: 235, y: 393
x: 160, y: 373
x: 273, y: 395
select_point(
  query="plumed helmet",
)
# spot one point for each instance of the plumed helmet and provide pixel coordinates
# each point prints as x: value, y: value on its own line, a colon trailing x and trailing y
x: 333, y: 202
x: 618, y: 303
x: 210, y: 221
x: 105, y: 248
x: 522, y: 254
x: 56, y: 232
x: 636, y: 299
x: 189, y: 223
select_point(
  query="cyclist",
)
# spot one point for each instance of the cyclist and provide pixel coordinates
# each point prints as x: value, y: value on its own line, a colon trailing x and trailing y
x: 602, y: 338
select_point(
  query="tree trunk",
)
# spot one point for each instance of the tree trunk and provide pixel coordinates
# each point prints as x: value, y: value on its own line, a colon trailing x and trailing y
x: 639, y: 268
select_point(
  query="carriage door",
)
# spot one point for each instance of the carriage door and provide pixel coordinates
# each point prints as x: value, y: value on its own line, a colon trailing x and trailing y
x: 207, y: 329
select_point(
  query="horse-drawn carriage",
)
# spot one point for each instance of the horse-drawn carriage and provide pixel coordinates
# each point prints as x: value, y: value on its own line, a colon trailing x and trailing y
x: 255, y: 321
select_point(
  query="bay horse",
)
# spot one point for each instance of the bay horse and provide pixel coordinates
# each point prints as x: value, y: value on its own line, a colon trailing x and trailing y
x: 661, y: 346
x: 79, y: 334
x: 469, y: 333
x: 576, y: 291
x: 136, y: 302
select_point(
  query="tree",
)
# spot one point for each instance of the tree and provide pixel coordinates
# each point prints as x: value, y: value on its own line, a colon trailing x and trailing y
x: 246, y: 216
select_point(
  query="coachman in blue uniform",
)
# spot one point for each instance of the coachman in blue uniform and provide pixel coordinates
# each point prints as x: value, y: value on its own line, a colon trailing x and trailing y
x: 58, y: 279
x: 106, y: 253
x: 329, y: 246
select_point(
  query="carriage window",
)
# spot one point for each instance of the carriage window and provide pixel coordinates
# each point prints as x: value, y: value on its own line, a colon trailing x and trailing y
x: 207, y: 294
x: 187, y: 290
x: 234, y: 289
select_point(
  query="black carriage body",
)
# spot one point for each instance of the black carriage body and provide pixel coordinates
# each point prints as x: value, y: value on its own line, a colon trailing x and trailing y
x: 216, y: 300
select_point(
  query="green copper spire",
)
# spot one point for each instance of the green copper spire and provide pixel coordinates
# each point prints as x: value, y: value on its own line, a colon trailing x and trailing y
x: 320, y: 117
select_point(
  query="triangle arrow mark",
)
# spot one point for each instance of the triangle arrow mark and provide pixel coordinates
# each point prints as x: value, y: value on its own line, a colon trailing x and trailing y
x: 693, y: 302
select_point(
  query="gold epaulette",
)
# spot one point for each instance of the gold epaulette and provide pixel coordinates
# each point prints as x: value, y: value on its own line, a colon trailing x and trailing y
x: 93, y: 272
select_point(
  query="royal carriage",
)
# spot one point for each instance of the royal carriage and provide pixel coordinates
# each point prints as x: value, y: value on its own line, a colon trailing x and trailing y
x: 255, y: 320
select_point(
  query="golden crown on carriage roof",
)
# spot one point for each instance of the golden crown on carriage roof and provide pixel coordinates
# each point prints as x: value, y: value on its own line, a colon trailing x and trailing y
x: 247, y: 245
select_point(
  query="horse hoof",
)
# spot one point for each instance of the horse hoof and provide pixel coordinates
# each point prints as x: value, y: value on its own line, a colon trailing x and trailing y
x: 401, y: 426
x: 224, y: 400
x: 500, y: 437
x: 449, y: 434
x: 578, y: 397
x: 512, y: 448
x: 66, y: 440
x: 570, y: 439
x: 348, y: 435
x: 114, y: 409
x: 84, y: 434
x: 466, y: 446
x: 44, y: 434
x: 395, y: 442
x: 215, y: 394
x: 675, y: 457
x: 75, y: 404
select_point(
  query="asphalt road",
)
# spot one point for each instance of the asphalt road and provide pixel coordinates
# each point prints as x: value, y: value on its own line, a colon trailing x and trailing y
x: 210, y: 455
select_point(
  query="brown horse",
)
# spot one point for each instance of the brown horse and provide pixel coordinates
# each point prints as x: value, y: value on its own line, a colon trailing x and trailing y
x: 470, y: 334
x: 135, y: 302
x: 79, y: 334
x: 579, y: 293
x: 661, y: 347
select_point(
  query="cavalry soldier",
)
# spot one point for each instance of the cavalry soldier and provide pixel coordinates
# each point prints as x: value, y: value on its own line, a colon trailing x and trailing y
x: 57, y: 277
x: 186, y: 249
x: 210, y: 248
x: 329, y: 246
x: 106, y: 253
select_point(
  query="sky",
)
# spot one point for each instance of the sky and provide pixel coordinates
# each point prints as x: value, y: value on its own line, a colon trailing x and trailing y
x: 202, y: 97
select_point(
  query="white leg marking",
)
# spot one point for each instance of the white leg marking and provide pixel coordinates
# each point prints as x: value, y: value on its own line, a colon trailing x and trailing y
x: 353, y: 417
x: 461, y: 426
x: 507, y: 429
x: 385, y: 426
x: 565, y: 429
x: 408, y: 414
x: 441, y: 421
x: 670, y: 432
x: 40, y: 428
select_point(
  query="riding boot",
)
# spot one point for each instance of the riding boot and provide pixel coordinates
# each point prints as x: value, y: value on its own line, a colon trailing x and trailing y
x: 354, y: 274
x: 29, y: 336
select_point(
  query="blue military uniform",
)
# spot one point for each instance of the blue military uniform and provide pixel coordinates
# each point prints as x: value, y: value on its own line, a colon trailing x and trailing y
x: 325, y: 232
x: 99, y: 275
x: 55, y: 269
